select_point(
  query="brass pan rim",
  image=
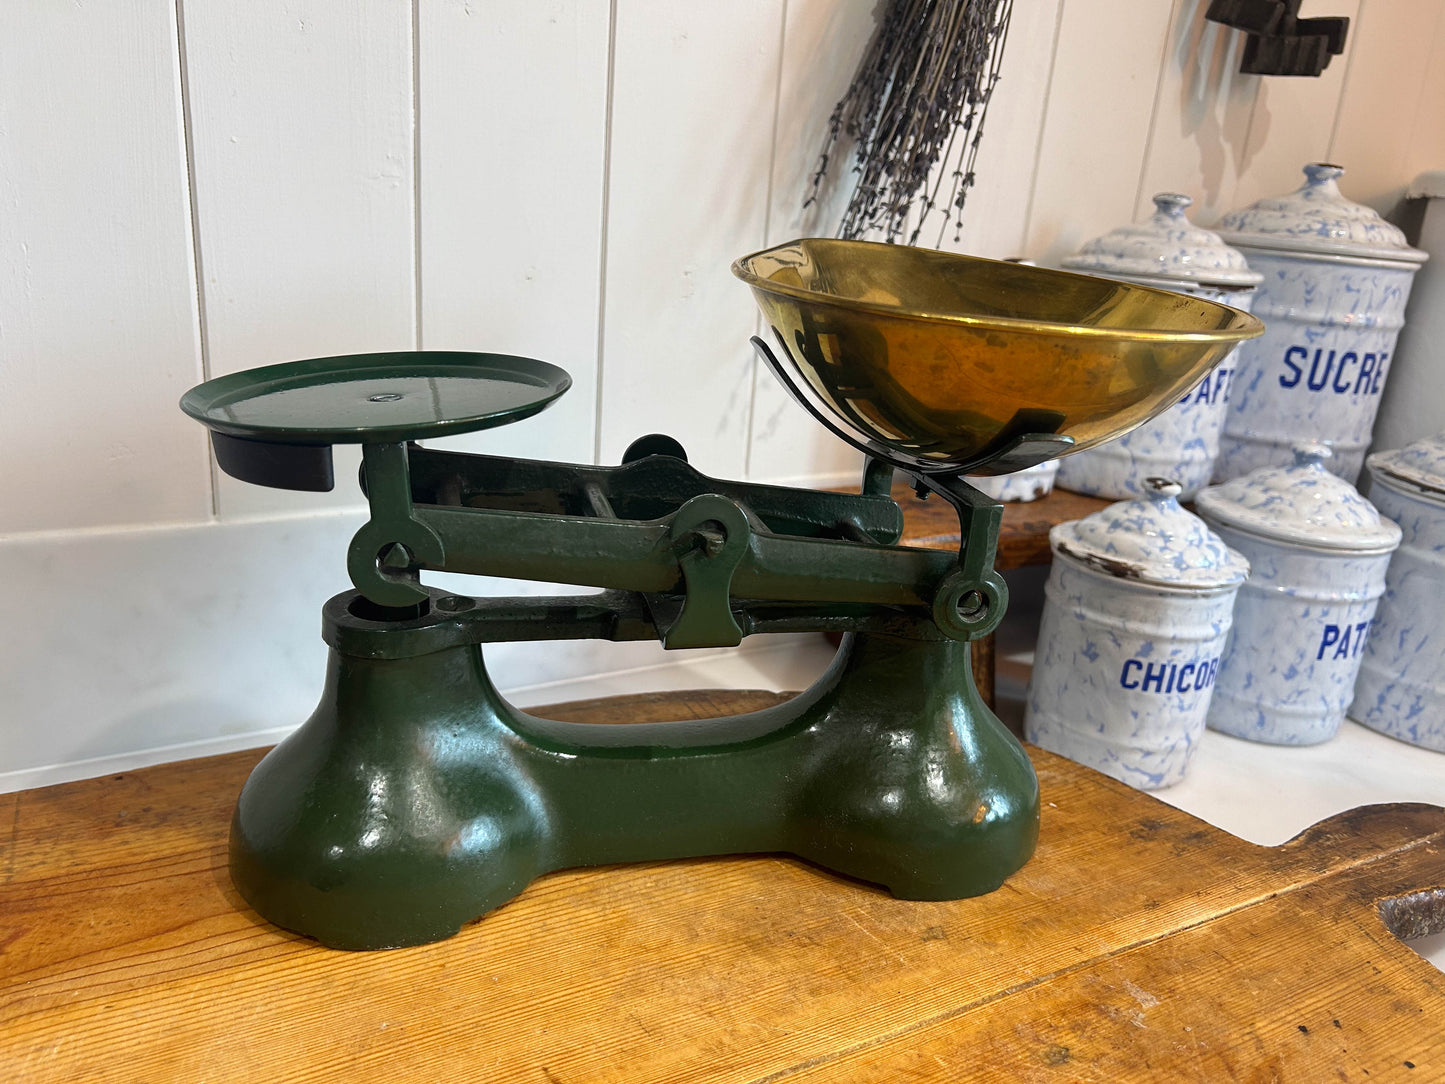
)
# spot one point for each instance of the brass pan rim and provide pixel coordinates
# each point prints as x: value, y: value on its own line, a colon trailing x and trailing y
x: 1246, y: 327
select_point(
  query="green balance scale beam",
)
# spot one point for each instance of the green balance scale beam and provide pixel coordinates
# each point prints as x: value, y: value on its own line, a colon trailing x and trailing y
x: 415, y: 798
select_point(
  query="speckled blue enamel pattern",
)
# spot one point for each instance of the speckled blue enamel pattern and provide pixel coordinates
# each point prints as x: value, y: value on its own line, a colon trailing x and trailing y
x: 1303, y: 504
x: 1336, y: 279
x: 1316, y: 218
x: 1029, y: 484
x: 1136, y: 612
x: 1165, y: 246
x: 1319, y: 368
x: 1153, y: 540
x: 1301, y: 624
x: 1167, y: 251
x: 1317, y: 556
x: 1401, y: 686
x: 1099, y: 642
x: 1182, y: 443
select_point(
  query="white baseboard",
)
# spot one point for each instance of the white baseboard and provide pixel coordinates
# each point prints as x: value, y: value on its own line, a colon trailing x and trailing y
x: 774, y: 662
x: 131, y: 647
x: 843, y: 479
x: 113, y: 764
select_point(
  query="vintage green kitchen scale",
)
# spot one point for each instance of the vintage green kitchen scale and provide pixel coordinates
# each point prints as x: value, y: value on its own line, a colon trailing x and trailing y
x: 416, y: 798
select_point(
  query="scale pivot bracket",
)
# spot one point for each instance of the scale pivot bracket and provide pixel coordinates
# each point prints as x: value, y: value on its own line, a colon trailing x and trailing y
x: 710, y: 535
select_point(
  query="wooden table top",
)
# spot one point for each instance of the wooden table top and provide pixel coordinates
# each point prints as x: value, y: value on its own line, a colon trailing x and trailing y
x: 1023, y: 539
x: 1139, y: 943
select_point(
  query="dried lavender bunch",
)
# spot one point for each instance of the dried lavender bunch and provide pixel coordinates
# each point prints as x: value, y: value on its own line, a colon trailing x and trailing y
x: 917, y: 100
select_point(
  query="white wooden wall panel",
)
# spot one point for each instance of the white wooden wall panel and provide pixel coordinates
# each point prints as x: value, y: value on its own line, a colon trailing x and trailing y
x: 1294, y: 118
x: 996, y: 210
x: 823, y: 41
x: 822, y: 44
x: 1394, y: 40
x: 1426, y: 145
x: 301, y: 129
x: 1105, y: 81
x: 512, y: 136
x: 1201, y: 126
x: 694, y: 90
x: 97, y: 316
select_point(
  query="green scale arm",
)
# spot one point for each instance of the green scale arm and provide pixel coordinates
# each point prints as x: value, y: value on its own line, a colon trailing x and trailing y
x: 693, y: 546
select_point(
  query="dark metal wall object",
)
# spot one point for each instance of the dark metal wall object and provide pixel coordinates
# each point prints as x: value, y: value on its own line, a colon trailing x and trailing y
x: 1280, y: 42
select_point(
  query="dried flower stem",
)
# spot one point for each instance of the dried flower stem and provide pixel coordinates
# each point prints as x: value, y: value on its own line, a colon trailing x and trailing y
x: 916, y: 104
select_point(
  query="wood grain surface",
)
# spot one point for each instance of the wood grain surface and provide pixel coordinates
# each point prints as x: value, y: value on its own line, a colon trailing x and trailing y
x: 1139, y: 943
x: 1023, y: 539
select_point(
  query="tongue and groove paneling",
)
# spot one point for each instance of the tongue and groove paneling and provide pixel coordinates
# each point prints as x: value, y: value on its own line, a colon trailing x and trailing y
x: 693, y: 100
x: 98, y: 335
x: 301, y: 120
x: 511, y: 148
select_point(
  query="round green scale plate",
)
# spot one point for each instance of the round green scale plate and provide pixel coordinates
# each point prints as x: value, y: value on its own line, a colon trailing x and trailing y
x: 274, y: 426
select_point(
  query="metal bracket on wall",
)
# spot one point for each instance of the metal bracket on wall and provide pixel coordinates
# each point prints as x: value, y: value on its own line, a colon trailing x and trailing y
x: 1279, y: 42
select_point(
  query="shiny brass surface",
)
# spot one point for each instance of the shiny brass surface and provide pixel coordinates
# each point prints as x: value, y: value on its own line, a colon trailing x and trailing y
x: 943, y: 356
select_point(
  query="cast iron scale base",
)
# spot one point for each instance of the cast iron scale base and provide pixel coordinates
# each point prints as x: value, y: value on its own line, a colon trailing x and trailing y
x: 416, y: 799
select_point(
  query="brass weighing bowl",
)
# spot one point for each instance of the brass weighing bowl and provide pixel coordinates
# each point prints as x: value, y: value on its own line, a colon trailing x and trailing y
x: 944, y: 358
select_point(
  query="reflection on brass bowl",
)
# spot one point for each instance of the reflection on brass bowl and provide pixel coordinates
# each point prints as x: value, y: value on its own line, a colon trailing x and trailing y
x: 944, y: 358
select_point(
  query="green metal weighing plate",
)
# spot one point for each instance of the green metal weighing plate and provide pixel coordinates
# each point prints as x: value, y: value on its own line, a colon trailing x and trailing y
x: 275, y: 425
x: 376, y: 398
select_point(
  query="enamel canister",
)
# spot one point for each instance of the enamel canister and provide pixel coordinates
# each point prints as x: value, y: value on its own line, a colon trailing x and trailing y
x: 1413, y: 403
x: 1317, y: 555
x: 1030, y: 484
x: 1401, y: 688
x: 1169, y: 252
x: 1136, y: 611
x: 1336, y: 279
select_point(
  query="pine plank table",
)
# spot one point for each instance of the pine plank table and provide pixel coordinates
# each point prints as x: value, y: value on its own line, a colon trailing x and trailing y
x: 1139, y: 944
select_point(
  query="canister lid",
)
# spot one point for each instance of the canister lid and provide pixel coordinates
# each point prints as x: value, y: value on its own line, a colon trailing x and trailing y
x: 1166, y: 245
x: 1302, y: 504
x: 1317, y: 218
x: 1153, y: 540
x: 1420, y: 464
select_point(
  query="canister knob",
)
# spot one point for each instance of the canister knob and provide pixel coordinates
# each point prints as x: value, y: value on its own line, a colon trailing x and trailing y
x: 1323, y: 173
x: 1312, y: 452
x: 1172, y: 204
x: 1164, y: 490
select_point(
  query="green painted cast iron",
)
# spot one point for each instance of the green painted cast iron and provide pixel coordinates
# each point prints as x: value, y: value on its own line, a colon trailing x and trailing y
x: 416, y: 798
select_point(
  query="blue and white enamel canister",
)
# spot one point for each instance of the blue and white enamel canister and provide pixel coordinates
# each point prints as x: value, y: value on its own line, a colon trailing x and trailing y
x: 1136, y: 611
x: 1317, y: 555
x: 1168, y: 252
x: 1401, y: 688
x: 1030, y: 484
x: 1336, y: 279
